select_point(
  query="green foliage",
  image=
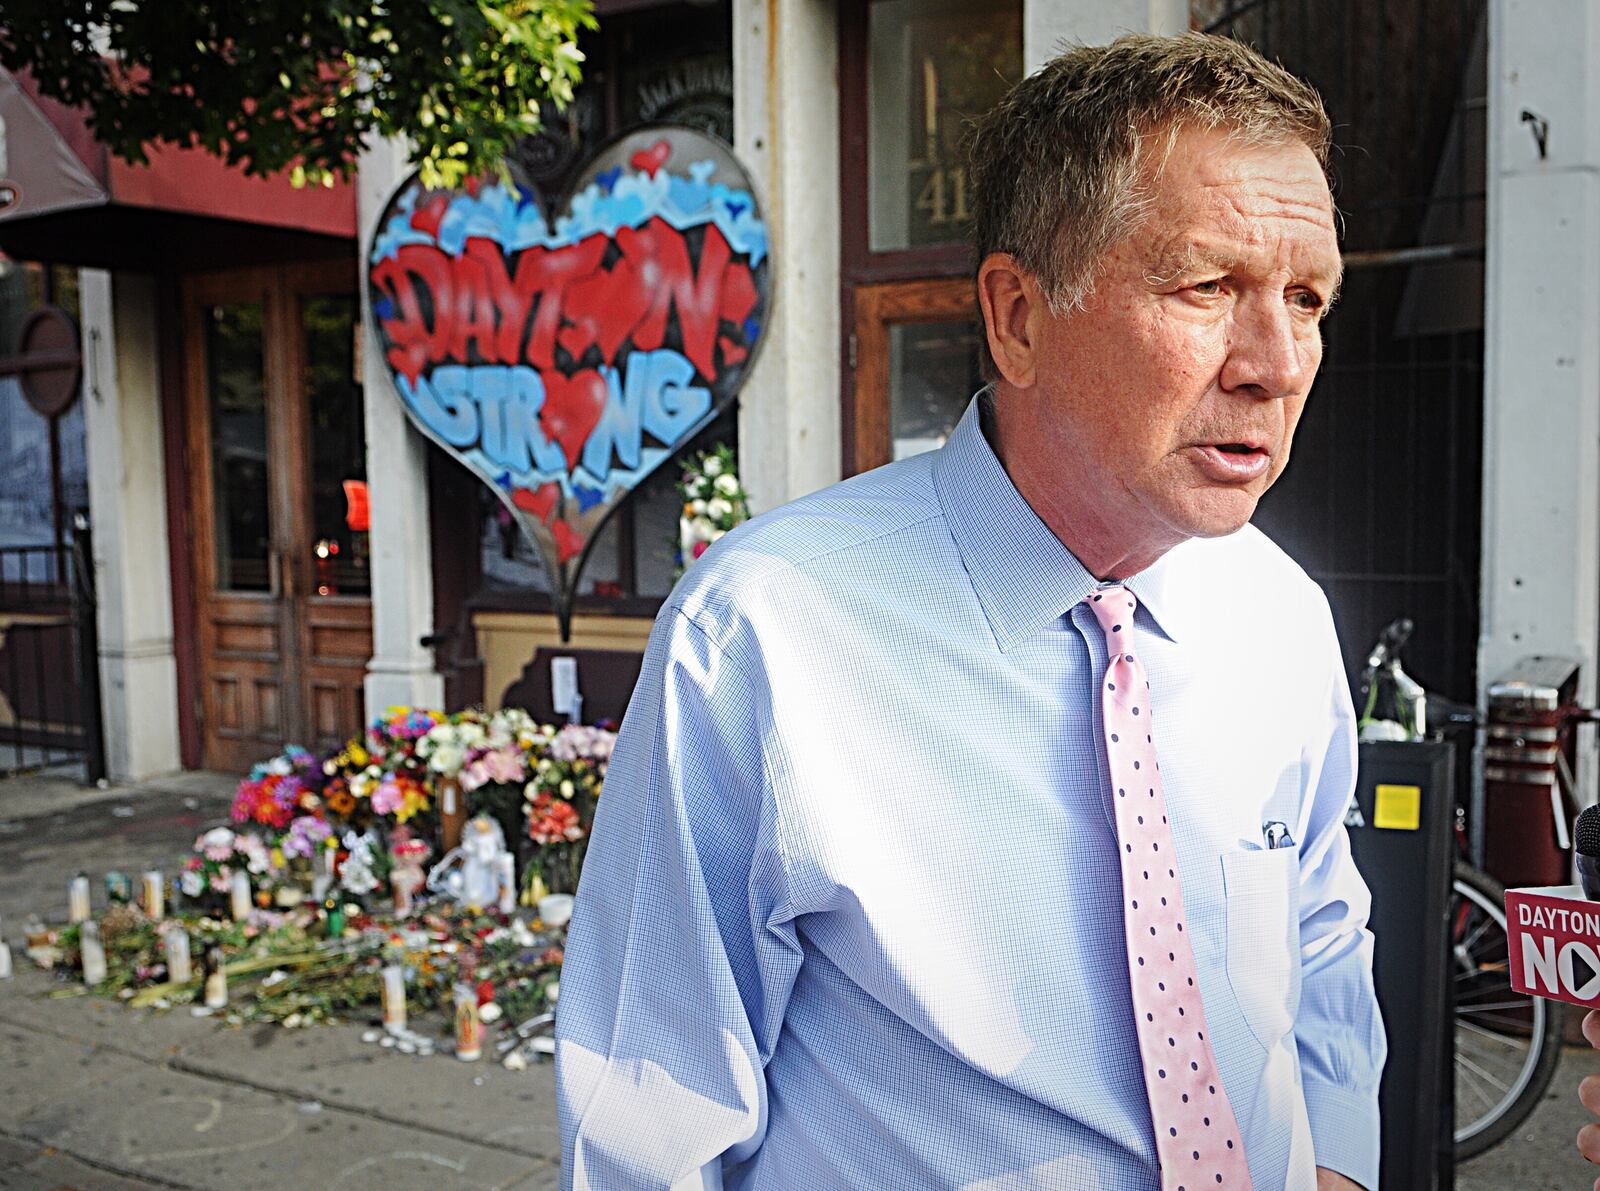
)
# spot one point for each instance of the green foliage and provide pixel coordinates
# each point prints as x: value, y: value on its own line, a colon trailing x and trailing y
x: 272, y: 85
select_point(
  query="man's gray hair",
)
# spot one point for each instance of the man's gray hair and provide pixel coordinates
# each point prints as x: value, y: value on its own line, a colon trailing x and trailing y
x: 1061, y: 168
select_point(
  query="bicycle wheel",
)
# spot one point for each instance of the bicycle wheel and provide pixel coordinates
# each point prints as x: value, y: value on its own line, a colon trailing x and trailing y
x: 1507, y: 1043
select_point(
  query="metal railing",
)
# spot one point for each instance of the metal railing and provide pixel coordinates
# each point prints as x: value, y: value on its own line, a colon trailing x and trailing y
x: 49, y: 658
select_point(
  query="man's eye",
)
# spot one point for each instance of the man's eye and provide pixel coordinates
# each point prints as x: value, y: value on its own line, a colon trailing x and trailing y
x: 1306, y: 300
x: 1207, y: 289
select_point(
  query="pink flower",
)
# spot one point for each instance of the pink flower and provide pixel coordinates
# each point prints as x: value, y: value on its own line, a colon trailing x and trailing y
x: 699, y: 548
x: 387, y: 798
x: 474, y: 775
x: 505, y: 766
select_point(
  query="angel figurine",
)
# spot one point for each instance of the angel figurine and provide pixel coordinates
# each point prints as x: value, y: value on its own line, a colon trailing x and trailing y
x: 479, y: 871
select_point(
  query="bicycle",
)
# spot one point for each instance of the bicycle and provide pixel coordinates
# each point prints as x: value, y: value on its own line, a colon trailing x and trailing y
x: 1507, y: 1044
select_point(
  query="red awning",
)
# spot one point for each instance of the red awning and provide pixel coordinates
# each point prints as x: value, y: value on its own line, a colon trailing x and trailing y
x: 52, y: 167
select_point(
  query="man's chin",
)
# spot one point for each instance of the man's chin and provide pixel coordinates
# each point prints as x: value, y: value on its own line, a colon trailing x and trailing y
x: 1219, y: 513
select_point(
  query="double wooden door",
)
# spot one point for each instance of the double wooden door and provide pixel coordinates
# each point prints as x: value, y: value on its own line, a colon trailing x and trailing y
x: 278, y: 529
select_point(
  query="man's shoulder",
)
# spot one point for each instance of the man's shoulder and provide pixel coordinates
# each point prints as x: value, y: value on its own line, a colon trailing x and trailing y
x: 850, y: 529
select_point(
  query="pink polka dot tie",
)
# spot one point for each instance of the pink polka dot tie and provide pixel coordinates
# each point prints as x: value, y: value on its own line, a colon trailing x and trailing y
x: 1197, y: 1138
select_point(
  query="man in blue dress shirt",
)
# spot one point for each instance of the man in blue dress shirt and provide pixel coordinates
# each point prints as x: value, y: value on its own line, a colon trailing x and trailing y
x: 852, y: 916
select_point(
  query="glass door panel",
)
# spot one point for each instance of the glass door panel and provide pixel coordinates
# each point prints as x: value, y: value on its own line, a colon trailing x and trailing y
x: 336, y: 424
x: 236, y: 394
x: 933, y: 66
x: 916, y: 367
x: 933, y: 373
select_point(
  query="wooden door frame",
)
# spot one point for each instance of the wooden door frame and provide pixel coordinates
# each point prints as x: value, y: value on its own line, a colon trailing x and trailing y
x: 876, y: 308
x: 279, y: 289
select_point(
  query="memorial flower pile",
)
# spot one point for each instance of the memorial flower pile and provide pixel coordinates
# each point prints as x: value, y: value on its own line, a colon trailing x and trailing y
x: 317, y: 904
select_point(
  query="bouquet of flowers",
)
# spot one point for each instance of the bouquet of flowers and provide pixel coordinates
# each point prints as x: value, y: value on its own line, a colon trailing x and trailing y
x: 714, y: 501
x: 279, y: 789
x: 561, y: 800
x: 218, y: 854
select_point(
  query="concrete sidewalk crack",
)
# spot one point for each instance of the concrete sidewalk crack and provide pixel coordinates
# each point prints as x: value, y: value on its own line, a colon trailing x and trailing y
x: 122, y: 1172
x: 184, y: 1067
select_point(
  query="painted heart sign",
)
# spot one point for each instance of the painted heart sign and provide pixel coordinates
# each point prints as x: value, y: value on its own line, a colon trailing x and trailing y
x: 563, y: 360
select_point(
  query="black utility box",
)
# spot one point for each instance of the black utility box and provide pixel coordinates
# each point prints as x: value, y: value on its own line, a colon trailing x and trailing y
x: 1402, y: 834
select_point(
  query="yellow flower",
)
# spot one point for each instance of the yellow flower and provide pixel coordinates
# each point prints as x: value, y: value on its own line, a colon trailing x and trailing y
x: 358, y: 755
x: 415, y: 802
x: 278, y: 860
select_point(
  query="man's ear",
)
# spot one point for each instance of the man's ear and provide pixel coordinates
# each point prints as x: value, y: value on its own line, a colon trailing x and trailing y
x: 1010, y: 300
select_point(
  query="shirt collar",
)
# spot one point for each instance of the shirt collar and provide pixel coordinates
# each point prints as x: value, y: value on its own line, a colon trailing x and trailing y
x: 1024, y: 577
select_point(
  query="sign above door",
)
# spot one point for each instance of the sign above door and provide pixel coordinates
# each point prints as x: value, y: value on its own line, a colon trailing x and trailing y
x: 565, y: 359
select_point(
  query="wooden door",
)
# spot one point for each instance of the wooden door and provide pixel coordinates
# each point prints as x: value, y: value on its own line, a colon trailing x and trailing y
x: 915, y: 353
x: 275, y: 437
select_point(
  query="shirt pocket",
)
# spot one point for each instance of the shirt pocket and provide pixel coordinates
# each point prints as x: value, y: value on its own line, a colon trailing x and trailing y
x: 1261, y: 889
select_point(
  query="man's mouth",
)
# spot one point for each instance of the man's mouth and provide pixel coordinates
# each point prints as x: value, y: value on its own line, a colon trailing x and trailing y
x: 1234, y: 462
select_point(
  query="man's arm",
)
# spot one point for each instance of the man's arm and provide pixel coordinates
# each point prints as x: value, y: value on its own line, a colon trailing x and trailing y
x: 681, y: 956
x: 1339, y: 1030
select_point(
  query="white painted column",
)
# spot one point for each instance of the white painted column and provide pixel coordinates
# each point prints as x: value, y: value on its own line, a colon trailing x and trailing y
x: 786, y: 132
x: 128, y: 508
x: 401, y: 670
x: 1541, y: 431
x: 1049, y: 26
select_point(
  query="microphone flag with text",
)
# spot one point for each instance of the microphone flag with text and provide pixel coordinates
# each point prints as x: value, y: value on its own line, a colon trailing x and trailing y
x: 1553, y: 931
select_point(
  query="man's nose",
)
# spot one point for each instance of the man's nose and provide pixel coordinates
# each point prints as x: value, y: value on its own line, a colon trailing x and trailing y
x: 1272, y: 352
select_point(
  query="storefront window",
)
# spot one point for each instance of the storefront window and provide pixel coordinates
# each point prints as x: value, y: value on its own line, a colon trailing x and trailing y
x: 34, y: 507
x: 933, y: 66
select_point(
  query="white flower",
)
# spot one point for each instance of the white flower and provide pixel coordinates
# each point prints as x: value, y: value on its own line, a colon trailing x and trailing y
x: 703, y: 529
x: 718, y: 508
x: 447, y: 759
x: 567, y: 788
x: 695, y: 488
x: 697, y: 507
x: 727, y: 484
x: 192, y: 883
x: 712, y: 466
x: 489, y: 1013
x: 552, y: 991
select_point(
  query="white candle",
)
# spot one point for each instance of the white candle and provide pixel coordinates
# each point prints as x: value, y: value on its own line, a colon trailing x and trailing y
x: 93, y: 951
x: 179, y: 969
x: 394, y: 999
x: 216, y: 992
x: 78, y: 898
x: 239, y: 895
x: 5, y: 961
x: 469, y: 1026
x: 155, y: 907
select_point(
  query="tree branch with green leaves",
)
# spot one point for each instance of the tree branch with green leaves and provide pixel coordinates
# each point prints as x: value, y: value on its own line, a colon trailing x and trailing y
x: 283, y: 85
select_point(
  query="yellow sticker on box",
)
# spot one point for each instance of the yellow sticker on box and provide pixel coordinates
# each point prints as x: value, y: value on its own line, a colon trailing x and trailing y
x: 1398, y: 808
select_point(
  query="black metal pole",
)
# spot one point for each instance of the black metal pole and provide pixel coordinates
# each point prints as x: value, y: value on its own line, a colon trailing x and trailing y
x: 87, y: 631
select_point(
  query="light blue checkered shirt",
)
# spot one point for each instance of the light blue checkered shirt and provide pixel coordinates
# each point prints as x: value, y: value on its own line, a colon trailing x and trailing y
x: 851, y: 916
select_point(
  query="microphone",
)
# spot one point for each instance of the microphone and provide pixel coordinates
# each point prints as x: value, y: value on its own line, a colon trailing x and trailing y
x: 1586, y: 849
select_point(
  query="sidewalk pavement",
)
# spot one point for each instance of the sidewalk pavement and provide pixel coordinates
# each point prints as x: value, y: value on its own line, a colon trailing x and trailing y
x: 95, y: 1096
